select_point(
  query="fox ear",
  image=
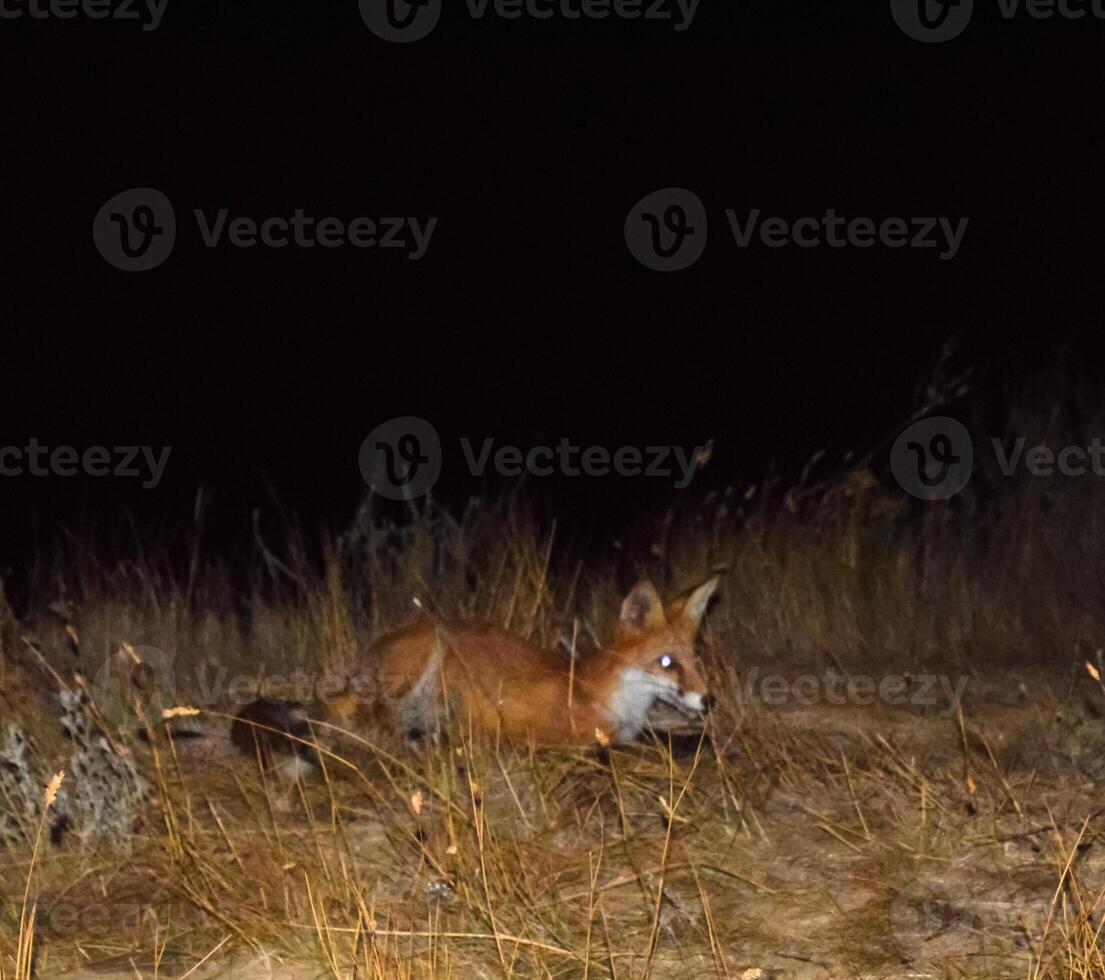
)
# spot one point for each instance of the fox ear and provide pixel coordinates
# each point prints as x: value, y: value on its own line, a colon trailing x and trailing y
x: 642, y: 610
x: 692, y: 607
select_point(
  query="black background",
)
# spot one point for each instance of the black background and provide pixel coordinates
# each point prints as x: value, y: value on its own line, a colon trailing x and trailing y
x: 528, y: 320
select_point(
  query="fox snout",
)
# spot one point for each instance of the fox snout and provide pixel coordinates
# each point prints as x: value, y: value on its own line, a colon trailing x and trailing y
x: 697, y: 703
x: 706, y: 702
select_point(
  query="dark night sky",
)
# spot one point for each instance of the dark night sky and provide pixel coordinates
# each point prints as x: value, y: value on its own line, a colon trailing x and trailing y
x: 528, y: 319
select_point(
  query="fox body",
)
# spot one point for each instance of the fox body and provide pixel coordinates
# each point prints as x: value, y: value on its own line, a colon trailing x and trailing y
x: 503, y: 684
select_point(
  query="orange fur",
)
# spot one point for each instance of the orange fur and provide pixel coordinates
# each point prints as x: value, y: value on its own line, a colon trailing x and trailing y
x: 504, y: 684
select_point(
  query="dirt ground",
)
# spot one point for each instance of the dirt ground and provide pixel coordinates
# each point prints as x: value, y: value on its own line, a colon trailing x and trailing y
x: 796, y: 840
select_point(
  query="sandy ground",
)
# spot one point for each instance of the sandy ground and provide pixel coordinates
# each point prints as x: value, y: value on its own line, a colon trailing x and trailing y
x: 813, y: 841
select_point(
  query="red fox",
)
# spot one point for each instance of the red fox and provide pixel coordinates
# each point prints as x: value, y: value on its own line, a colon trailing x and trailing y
x: 504, y: 684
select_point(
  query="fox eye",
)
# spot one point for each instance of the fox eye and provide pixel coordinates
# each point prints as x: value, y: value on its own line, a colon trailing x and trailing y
x: 667, y: 661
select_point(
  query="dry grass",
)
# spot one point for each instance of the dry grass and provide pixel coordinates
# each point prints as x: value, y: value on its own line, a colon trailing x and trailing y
x: 796, y: 836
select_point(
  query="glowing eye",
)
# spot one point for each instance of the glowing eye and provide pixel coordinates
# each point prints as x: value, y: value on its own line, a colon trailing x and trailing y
x: 667, y: 661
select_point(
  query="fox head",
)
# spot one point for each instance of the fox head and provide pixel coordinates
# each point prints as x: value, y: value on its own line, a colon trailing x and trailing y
x: 654, y: 647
